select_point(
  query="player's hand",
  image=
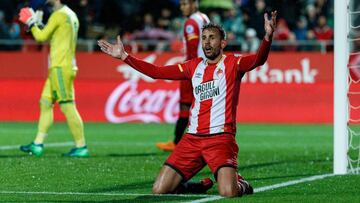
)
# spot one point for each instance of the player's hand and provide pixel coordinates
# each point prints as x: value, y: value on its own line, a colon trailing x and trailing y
x: 38, y: 16
x: 270, y: 25
x: 114, y: 50
x: 27, y: 16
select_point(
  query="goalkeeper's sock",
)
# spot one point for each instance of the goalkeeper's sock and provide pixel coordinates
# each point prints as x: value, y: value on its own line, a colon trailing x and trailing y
x: 75, y: 123
x: 45, y: 121
x: 40, y: 137
x: 180, y: 127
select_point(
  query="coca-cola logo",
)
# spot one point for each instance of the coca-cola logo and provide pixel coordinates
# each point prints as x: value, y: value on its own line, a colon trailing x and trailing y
x: 127, y: 103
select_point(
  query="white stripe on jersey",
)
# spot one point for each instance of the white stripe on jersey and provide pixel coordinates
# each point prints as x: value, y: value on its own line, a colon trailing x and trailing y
x: 217, y: 114
x: 217, y: 111
x: 196, y: 79
x: 199, y: 18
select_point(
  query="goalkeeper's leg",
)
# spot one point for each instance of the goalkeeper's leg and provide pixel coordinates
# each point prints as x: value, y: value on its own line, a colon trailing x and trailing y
x: 74, y: 122
x: 45, y: 121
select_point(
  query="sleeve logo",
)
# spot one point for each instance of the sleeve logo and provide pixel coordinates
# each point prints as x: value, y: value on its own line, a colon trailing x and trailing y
x: 189, y: 29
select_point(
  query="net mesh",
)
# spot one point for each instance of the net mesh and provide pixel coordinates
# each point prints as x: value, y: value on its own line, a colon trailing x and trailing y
x: 354, y: 86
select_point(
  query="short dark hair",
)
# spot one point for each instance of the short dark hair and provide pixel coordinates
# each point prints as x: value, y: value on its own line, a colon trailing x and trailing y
x: 217, y: 27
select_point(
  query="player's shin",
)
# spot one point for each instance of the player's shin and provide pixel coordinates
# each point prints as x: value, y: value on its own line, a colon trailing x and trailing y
x: 75, y: 122
x: 45, y: 121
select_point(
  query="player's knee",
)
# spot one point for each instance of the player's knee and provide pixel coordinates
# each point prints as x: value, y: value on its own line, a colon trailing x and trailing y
x: 228, y: 191
x: 66, y: 106
x: 157, y: 189
x: 45, y: 104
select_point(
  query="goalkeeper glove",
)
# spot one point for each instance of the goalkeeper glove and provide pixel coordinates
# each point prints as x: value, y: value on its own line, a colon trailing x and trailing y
x: 38, y: 18
x: 29, y: 17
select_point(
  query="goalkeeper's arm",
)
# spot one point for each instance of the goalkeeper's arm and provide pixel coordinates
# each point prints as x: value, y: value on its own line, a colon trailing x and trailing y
x: 33, y: 21
x: 46, y: 32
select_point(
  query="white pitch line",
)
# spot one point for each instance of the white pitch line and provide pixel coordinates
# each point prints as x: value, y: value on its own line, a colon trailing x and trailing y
x: 270, y: 187
x: 205, y: 198
x: 55, y: 144
x: 293, y: 182
x: 101, y: 194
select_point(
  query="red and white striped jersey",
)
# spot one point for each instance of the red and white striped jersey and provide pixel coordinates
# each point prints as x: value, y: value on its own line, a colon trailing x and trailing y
x: 192, y: 35
x: 215, y: 87
x: 216, y: 90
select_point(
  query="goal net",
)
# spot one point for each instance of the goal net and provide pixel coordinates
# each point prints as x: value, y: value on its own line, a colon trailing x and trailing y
x: 347, y: 87
x: 353, y: 154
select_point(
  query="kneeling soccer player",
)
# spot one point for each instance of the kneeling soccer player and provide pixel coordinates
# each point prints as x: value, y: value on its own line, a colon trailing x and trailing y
x: 212, y: 127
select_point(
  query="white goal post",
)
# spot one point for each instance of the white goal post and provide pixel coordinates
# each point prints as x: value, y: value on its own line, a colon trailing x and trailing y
x: 341, y: 52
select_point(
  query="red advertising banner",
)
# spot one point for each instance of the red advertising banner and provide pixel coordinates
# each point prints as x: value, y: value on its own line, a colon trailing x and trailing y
x: 289, y: 88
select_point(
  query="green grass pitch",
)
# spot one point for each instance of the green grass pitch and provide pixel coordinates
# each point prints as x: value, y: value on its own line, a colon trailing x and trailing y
x: 124, y: 163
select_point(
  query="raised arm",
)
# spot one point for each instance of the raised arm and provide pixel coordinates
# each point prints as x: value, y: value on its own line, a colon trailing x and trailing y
x: 172, y: 72
x: 248, y: 63
x: 34, y: 19
x: 42, y: 35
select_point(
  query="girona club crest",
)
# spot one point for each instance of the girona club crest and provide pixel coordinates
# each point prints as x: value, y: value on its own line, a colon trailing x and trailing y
x: 219, y: 73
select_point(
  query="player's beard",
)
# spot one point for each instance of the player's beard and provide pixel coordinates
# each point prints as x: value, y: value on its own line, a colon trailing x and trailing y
x: 215, y: 52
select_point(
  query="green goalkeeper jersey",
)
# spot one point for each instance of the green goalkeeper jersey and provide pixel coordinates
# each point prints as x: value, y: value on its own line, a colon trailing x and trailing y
x: 61, y: 30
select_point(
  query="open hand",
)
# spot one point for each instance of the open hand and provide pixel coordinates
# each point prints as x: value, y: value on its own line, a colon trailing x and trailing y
x: 270, y: 25
x: 114, y: 50
x: 27, y: 16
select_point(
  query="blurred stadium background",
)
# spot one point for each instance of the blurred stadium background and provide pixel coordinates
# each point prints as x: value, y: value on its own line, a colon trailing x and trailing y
x: 285, y: 111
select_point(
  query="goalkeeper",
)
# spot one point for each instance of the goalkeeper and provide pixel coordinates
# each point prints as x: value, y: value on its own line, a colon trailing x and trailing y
x: 61, y: 31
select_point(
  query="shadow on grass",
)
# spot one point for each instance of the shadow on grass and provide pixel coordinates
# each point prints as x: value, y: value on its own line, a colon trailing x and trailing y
x: 14, y: 156
x: 269, y: 164
x: 126, y: 187
x: 52, y: 200
x: 280, y: 177
x: 162, y: 199
x: 145, y: 198
x: 60, y: 155
x: 261, y: 165
x: 135, y: 154
x: 264, y: 165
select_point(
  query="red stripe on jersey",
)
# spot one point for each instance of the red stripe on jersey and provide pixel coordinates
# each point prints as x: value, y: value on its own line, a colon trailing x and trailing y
x: 232, y: 93
x: 205, y: 106
x: 191, y: 28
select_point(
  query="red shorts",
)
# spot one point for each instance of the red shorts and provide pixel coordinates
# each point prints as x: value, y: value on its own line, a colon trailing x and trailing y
x: 194, y: 152
x: 186, y: 94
